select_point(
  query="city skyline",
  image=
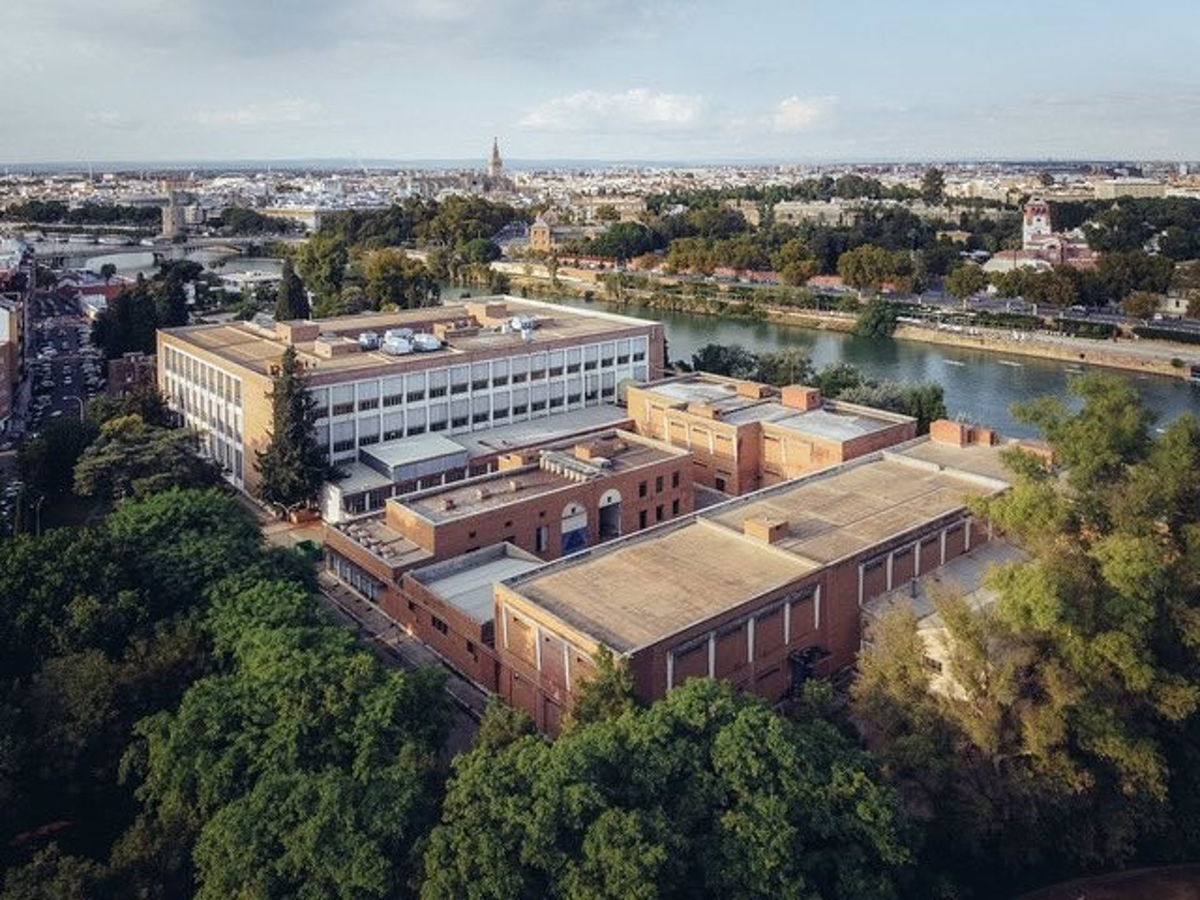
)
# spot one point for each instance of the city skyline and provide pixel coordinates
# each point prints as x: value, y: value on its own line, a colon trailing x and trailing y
x: 603, y: 80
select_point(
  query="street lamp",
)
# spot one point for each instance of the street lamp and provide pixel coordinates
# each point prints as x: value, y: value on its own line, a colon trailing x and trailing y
x: 78, y: 400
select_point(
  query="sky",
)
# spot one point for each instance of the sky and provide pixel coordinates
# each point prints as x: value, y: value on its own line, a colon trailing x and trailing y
x: 671, y: 80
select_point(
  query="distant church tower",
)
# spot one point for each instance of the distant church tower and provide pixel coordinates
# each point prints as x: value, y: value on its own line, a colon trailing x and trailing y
x: 495, y: 165
x: 1036, y: 226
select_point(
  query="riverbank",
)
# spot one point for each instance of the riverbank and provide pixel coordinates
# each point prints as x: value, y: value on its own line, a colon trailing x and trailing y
x: 1142, y: 356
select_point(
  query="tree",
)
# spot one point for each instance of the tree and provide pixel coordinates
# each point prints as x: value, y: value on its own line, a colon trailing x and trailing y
x: 933, y: 184
x: 621, y: 241
x: 129, y: 322
x: 966, y: 281
x: 705, y: 794
x: 291, y: 299
x: 606, y: 694
x: 1193, y: 305
x: 294, y: 466
x: 145, y: 400
x: 393, y: 280
x: 606, y: 212
x: 322, y: 263
x: 878, y: 319
x: 783, y: 367
x: 51, y: 875
x: 480, y: 251
x: 1140, y: 304
x: 1121, y: 273
x: 797, y: 274
x: 131, y: 458
x: 47, y: 462
x: 869, y: 267
x: 731, y: 360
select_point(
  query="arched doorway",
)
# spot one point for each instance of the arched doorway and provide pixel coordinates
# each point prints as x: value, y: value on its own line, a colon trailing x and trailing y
x: 574, y: 528
x: 610, y: 515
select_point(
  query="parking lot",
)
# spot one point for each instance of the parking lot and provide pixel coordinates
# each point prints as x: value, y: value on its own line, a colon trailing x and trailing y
x: 65, y: 369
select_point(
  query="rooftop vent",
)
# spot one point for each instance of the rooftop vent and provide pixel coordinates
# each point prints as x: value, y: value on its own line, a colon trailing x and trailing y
x: 765, y: 529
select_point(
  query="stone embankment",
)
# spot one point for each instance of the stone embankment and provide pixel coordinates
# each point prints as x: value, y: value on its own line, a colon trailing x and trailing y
x: 1152, y: 357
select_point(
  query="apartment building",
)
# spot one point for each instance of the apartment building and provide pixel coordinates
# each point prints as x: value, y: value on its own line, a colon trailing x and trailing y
x: 430, y: 558
x: 764, y: 590
x: 497, y: 360
x: 744, y: 435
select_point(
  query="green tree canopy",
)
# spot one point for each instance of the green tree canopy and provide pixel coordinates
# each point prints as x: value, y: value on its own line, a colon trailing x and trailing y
x: 705, y: 794
x: 1070, y: 740
x: 966, y: 281
x: 878, y: 319
x: 391, y: 279
x: 131, y: 458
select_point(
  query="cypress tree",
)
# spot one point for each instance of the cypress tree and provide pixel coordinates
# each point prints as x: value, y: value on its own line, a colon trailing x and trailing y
x: 291, y: 302
x: 294, y: 466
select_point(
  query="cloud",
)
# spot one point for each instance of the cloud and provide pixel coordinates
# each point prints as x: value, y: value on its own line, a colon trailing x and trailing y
x: 632, y: 110
x: 796, y: 113
x: 295, y: 109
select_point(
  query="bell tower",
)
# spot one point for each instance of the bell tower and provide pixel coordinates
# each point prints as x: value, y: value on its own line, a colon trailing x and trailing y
x: 496, y: 164
x: 1035, y: 227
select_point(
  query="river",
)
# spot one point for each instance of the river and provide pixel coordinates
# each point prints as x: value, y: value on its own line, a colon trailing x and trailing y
x: 979, y: 386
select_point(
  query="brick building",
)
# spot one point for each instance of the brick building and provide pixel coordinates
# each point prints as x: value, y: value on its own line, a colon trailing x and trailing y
x: 129, y: 372
x: 485, y: 363
x: 428, y: 556
x: 744, y: 436
x: 763, y: 590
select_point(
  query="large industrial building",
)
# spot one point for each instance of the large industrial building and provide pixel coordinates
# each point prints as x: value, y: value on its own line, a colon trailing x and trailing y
x: 448, y: 370
x: 763, y: 590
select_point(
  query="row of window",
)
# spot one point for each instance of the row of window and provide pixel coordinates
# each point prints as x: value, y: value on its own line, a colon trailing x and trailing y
x: 643, y: 486
x: 345, y: 436
x: 196, y: 372
x: 418, y: 387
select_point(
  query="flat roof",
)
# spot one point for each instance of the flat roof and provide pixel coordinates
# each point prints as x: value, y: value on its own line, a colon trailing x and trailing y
x: 657, y: 586
x: 418, y: 448
x: 537, y: 431
x: 245, y: 344
x: 622, y: 452
x: 693, y: 389
x: 640, y: 589
x: 466, y: 581
x: 977, y: 459
x: 835, y: 422
x: 374, y: 535
x: 854, y: 507
x: 359, y: 478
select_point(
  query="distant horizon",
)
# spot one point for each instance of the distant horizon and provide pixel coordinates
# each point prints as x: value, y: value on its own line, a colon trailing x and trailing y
x: 466, y: 163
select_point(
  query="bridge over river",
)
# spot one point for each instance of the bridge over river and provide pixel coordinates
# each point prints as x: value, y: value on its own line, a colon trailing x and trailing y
x: 78, y: 255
